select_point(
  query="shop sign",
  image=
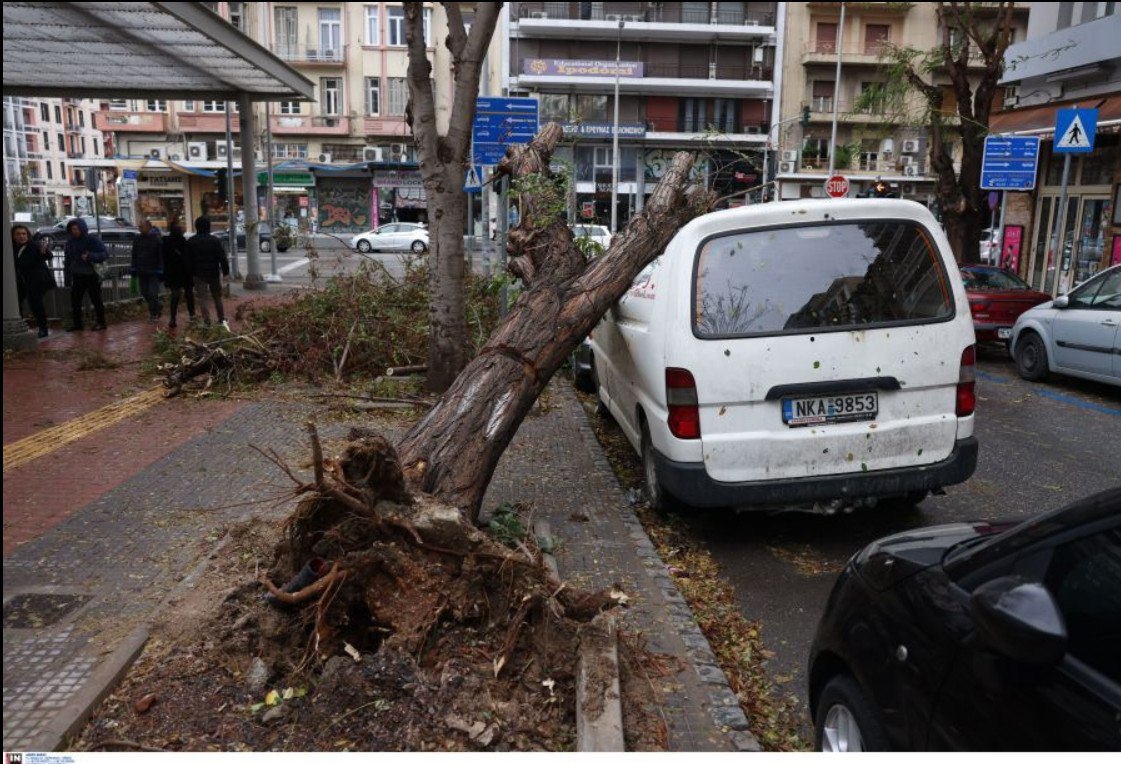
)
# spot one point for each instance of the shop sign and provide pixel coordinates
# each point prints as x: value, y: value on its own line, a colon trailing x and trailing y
x: 303, y: 201
x: 304, y: 179
x: 161, y: 181
x: 398, y: 179
x: 603, y: 129
x: 558, y: 67
x: 410, y: 198
x: 588, y: 209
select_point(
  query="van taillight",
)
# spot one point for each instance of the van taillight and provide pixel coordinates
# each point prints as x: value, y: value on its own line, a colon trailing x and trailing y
x: 681, y: 400
x: 967, y: 395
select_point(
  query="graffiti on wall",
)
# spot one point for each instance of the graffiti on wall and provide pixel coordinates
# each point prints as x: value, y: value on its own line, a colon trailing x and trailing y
x: 344, y: 205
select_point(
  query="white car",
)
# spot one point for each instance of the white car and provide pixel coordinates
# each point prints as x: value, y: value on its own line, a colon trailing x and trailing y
x: 393, y: 237
x: 1077, y: 334
x: 597, y: 233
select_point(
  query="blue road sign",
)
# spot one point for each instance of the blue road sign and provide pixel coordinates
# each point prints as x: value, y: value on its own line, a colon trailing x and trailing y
x: 1075, y: 130
x: 1010, y: 162
x: 474, y: 181
x: 499, y: 123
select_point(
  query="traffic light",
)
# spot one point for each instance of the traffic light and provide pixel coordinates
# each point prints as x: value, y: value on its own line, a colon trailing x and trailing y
x: 223, y: 187
x: 805, y: 116
x: 882, y: 190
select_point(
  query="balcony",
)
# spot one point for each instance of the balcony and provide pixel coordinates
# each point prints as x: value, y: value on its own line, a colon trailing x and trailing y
x: 668, y: 22
x: 130, y: 121
x: 192, y: 122
x: 296, y: 124
x: 825, y: 52
x: 879, y: 8
x: 821, y: 110
x: 311, y: 54
x: 387, y: 126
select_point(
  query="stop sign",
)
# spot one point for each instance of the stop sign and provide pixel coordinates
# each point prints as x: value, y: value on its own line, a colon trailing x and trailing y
x: 837, y: 186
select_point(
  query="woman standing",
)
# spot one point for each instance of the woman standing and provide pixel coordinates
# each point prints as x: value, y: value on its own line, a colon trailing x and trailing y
x: 33, y: 274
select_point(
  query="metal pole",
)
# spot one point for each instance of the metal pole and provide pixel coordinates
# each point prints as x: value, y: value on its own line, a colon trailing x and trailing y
x: 1003, y: 212
x: 615, y: 139
x: 270, y: 204
x: 231, y: 222
x: 1060, y: 224
x: 836, y: 93
x: 253, y: 279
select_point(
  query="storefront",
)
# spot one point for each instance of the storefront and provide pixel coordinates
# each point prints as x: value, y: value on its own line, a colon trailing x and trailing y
x: 159, y: 197
x: 294, y: 198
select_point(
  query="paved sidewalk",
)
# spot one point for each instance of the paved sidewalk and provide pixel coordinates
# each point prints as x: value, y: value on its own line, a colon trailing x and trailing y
x: 80, y: 589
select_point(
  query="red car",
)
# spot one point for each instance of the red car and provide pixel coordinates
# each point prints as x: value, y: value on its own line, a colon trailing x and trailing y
x: 997, y: 298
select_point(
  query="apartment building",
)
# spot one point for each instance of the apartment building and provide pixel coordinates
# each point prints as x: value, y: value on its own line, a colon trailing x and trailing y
x: 874, y: 141
x: 46, y: 142
x: 694, y: 76
x: 323, y: 153
x: 1071, y: 57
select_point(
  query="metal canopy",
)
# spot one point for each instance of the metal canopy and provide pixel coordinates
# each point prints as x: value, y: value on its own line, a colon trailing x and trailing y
x: 169, y: 51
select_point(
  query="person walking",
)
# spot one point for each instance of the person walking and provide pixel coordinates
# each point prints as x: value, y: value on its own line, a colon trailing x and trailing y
x: 33, y: 273
x: 177, y: 276
x: 148, y: 266
x: 207, y: 261
x: 83, y: 250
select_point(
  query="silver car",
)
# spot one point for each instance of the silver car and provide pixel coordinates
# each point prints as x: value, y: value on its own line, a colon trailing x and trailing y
x: 1075, y: 334
x: 393, y: 237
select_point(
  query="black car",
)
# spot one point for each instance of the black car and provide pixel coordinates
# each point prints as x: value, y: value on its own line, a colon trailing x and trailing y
x: 264, y: 237
x: 112, y: 229
x: 977, y: 637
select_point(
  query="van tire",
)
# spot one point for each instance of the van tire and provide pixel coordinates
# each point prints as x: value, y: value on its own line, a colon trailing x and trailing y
x: 1031, y: 357
x: 659, y: 499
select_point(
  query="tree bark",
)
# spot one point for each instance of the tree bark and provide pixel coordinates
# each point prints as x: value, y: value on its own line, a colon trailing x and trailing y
x: 443, y: 168
x: 453, y: 451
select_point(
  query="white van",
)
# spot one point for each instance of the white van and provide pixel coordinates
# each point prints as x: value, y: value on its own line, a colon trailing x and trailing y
x: 794, y: 353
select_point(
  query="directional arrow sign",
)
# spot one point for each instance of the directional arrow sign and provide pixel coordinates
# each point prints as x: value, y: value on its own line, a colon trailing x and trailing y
x: 1010, y: 162
x: 499, y: 123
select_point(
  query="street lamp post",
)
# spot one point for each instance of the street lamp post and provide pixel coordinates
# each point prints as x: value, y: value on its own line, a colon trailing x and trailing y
x: 836, y: 92
x: 615, y: 139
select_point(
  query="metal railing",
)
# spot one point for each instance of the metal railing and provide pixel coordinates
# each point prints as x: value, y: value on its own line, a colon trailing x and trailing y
x: 665, y: 13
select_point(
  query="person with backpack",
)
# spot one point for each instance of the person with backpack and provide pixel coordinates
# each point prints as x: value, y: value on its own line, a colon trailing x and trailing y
x: 147, y: 265
x: 33, y: 272
x: 207, y: 261
x: 83, y: 251
x: 177, y: 275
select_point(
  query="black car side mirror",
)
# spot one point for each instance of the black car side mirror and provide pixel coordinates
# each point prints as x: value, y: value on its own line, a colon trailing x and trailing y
x: 1020, y: 619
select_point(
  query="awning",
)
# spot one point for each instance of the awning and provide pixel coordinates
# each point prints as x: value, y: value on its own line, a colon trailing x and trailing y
x: 1040, y: 120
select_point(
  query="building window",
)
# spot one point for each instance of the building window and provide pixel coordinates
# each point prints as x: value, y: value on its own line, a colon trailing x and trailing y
x: 46, y: 141
x: 396, y: 23
x: 289, y: 151
x: 157, y: 106
x: 694, y: 115
x: 50, y: 171
x: 188, y: 106
x: 591, y: 107
x: 61, y: 142
x: 398, y: 96
x: 373, y: 96
x: 554, y: 106
x: 83, y: 145
x: 822, y: 98
x: 214, y: 106
x: 724, y: 113
x: 330, y: 96
x: 869, y: 154
x: 826, y: 39
x: 287, y: 31
x: 61, y: 170
x: 371, y: 25
x: 330, y: 33
x: 58, y: 114
x: 96, y: 147
x: 45, y: 112
x: 289, y: 107
x: 237, y: 16
x: 876, y: 38
x: 81, y: 118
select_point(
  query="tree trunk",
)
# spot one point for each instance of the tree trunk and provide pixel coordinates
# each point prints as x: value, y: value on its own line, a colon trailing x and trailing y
x: 453, y: 451
x: 447, y: 268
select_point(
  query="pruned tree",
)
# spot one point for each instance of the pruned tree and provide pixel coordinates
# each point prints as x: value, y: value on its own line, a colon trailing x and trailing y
x: 443, y: 167
x: 453, y: 451
x: 971, y: 57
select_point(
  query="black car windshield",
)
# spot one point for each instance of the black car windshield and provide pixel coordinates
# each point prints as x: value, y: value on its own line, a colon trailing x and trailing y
x: 819, y: 277
x: 981, y: 279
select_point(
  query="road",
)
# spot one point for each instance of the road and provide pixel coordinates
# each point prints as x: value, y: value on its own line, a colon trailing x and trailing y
x: 1041, y: 446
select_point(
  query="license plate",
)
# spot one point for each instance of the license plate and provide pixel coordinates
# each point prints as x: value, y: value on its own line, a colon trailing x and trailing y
x: 827, y: 409
x: 1004, y: 332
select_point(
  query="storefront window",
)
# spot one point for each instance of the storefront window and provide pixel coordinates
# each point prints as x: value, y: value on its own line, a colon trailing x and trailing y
x: 1097, y: 168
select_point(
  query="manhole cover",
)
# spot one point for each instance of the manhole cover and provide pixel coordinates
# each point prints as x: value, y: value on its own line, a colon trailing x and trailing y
x: 37, y: 611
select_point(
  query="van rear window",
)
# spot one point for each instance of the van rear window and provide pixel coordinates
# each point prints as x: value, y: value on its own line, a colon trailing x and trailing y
x: 819, y: 277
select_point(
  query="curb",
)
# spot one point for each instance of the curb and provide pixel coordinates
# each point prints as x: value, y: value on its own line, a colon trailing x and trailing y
x: 597, y: 692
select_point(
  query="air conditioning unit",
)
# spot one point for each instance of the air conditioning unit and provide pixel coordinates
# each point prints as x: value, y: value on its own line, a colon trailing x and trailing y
x: 155, y: 153
x: 790, y: 155
x: 538, y: 15
x: 399, y: 150
x: 906, y: 161
x: 221, y: 151
x: 910, y: 146
x: 1011, y: 102
x: 325, y: 158
x: 372, y: 154
x: 786, y: 166
x: 633, y: 18
x: 175, y: 157
x: 614, y: 17
x: 753, y: 130
x: 911, y: 170
x: 197, y: 150
x: 712, y: 70
x: 908, y: 188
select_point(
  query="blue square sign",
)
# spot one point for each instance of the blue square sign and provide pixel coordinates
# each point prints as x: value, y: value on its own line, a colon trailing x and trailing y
x: 1075, y: 130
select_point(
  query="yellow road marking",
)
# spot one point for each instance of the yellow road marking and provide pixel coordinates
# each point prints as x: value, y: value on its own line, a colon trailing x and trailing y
x: 41, y: 443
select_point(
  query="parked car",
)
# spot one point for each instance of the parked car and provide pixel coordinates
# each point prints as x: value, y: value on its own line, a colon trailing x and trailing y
x: 597, y: 233
x: 112, y: 229
x: 266, y: 240
x: 996, y: 299
x: 976, y: 636
x: 393, y: 237
x: 794, y: 353
x: 1075, y: 334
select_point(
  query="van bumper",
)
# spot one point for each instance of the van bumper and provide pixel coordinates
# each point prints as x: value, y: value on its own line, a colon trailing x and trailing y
x: 689, y: 482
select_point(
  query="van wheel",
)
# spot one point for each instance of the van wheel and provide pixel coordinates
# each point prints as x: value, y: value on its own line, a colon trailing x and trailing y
x: 657, y: 496
x: 1031, y: 357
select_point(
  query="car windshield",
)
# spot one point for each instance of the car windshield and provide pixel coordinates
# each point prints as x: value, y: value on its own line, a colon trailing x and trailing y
x: 981, y: 279
x: 818, y: 277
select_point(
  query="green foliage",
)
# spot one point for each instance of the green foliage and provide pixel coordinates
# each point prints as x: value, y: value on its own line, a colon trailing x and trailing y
x: 506, y: 524
x: 542, y: 196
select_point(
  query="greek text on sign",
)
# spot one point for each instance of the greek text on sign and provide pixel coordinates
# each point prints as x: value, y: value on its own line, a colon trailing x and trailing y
x: 1075, y: 130
x: 566, y: 68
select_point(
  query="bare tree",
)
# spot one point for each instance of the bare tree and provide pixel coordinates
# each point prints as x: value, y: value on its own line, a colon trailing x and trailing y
x: 971, y: 55
x: 443, y: 167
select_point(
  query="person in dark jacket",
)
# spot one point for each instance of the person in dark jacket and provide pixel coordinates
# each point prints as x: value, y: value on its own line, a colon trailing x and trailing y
x: 33, y: 274
x: 147, y: 266
x: 176, y: 274
x: 82, y: 251
x: 208, y: 263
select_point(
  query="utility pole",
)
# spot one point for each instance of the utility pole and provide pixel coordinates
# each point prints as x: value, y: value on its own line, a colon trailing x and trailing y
x: 232, y: 230
x: 274, y: 275
x: 836, y: 92
x: 615, y: 139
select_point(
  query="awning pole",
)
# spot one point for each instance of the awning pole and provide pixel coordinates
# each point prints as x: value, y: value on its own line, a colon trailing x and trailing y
x: 231, y: 223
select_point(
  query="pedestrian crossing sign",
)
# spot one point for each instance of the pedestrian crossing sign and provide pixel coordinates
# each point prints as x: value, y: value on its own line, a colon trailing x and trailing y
x: 472, y: 184
x: 1075, y: 130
